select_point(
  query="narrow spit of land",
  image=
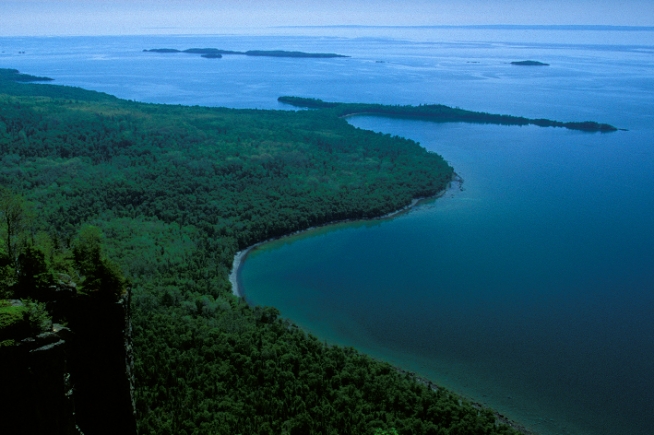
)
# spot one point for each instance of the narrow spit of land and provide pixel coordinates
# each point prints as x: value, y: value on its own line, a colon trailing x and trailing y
x: 438, y: 113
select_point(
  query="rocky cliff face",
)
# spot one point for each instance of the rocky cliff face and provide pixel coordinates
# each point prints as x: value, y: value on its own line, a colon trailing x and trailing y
x: 101, y: 366
x: 37, y: 392
x: 74, y: 379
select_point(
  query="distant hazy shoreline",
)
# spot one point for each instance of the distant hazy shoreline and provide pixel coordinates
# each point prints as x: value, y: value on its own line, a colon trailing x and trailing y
x: 215, y: 53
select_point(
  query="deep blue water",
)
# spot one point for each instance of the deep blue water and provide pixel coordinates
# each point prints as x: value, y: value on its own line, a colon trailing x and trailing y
x: 532, y: 290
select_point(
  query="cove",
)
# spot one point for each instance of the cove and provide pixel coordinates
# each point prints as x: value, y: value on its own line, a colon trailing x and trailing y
x: 529, y: 291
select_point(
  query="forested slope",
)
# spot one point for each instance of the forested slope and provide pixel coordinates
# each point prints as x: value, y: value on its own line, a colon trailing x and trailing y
x: 177, y: 191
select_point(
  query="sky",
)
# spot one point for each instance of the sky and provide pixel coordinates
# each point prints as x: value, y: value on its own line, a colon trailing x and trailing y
x: 137, y: 17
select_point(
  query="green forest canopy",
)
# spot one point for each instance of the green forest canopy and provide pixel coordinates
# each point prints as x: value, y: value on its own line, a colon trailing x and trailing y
x: 176, y: 192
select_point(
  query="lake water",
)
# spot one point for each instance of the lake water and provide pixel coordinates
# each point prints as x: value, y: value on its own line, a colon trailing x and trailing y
x: 532, y: 289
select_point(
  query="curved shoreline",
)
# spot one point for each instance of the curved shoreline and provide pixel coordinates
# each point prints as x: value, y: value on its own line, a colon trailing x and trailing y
x: 455, y: 183
x: 241, y: 256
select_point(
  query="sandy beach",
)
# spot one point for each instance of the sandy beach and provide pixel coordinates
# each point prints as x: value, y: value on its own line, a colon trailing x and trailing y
x: 239, y: 258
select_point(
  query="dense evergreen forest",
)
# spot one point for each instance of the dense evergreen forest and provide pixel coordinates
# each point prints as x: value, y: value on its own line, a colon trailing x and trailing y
x: 438, y: 113
x: 171, y: 193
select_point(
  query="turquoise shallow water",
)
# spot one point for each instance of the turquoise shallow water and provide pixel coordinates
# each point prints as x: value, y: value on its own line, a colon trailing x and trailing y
x: 532, y: 290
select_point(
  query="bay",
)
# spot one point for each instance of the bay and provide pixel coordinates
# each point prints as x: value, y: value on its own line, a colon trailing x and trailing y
x: 532, y: 289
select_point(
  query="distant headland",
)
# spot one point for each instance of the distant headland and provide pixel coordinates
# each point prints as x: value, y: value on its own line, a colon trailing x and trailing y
x: 439, y: 113
x: 15, y: 76
x: 215, y: 53
x: 529, y: 63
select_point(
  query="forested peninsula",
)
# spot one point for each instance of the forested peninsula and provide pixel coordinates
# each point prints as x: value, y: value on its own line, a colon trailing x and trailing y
x: 165, y: 196
x: 437, y: 113
x: 214, y: 53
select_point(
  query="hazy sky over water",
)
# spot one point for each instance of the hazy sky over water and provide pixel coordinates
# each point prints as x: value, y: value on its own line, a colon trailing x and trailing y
x: 114, y: 17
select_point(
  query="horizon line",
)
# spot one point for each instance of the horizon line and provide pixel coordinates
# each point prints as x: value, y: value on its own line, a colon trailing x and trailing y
x: 481, y: 26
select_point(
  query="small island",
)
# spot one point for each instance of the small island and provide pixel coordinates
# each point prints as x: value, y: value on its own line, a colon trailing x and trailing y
x: 215, y: 53
x: 529, y: 63
x: 438, y: 113
x: 163, y: 50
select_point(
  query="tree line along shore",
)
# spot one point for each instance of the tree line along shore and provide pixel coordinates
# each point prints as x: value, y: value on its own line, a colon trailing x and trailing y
x: 439, y: 113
